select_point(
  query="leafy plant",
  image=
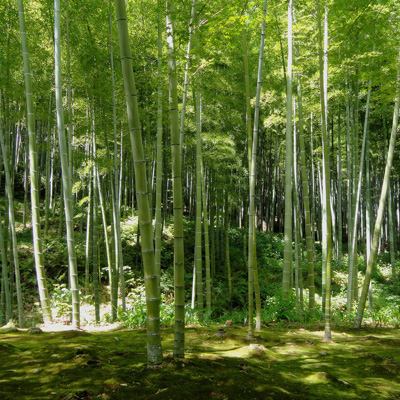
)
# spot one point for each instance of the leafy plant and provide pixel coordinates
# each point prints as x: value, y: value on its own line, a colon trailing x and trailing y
x: 61, y: 299
x: 277, y: 309
x: 135, y: 317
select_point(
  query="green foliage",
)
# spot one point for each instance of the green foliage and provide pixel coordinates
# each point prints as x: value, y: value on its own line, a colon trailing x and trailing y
x: 386, y: 308
x: 237, y: 316
x: 129, y: 228
x: 167, y: 282
x: 277, y: 309
x: 61, y: 300
x: 269, y: 245
x: 135, y: 317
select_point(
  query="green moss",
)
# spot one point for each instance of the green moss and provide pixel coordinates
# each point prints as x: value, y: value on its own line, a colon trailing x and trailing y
x: 291, y: 364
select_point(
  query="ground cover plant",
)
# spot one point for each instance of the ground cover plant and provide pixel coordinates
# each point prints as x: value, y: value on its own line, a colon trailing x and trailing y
x: 285, y: 362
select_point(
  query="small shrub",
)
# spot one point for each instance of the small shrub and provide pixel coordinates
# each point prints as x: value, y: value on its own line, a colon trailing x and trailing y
x: 277, y: 309
x: 61, y: 299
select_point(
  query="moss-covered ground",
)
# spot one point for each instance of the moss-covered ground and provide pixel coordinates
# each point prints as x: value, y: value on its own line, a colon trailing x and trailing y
x: 288, y: 363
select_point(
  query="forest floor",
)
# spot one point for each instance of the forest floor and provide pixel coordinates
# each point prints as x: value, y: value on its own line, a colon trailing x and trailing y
x: 282, y: 362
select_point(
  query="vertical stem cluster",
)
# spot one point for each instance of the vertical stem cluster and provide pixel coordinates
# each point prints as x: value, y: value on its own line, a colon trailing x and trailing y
x: 11, y: 218
x: 227, y: 255
x: 115, y: 184
x: 198, y: 241
x: 33, y: 169
x: 206, y: 242
x: 287, y: 256
x: 306, y: 202
x: 339, y: 194
x: 325, y: 178
x: 159, y: 162
x: 66, y: 172
x: 352, y: 250
x: 252, y: 267
x: 154, y: 350
x: 176, y: 159
x: 186, y: 77
x: 379, y: 216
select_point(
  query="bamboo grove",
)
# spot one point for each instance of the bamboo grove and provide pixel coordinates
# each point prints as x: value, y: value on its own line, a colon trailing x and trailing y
x: 262, y: 115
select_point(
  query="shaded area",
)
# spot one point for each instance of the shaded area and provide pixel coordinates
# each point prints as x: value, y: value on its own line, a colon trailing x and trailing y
x: 278, y: 364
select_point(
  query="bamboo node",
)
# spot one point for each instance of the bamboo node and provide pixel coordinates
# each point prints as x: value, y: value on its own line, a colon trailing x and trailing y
x: 144, y: 223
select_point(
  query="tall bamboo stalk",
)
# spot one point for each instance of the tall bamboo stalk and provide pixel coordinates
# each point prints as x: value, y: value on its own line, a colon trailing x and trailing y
x: 288, y: 229
x: 11, y: 221
x: 115, y: 184
x: 47, y: 203
x: 186, y: 76
x: 368, y: 214
x: 95, y: 247
x: 325, y: 178
x: 159, y: 163
x: 89, y: 234
x: 227, y: 254
x: 248, y: 130
x: 392, y: 240
x: 179, y: 343
x: 352, y: 249
x: 379, y: 216
x: 5, y: 289
x: 154, y: 350
x: 252, y: 267
x: 69, y: 94
x: 339, y: 194
x: 66, y: 176
x: 112, y: 272
x: 306, y: 202
x: 198, y: 241
x: 33, y: 172
x: 206, y: 242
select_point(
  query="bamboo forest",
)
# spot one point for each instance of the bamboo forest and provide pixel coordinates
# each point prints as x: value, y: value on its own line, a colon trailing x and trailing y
x: 199, y: 199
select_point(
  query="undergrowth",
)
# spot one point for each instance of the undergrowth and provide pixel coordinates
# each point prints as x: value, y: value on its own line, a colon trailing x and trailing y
x: 385, y: 309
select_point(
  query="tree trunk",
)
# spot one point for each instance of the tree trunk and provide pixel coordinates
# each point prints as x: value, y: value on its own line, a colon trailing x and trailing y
x: 95, y: 248
x: 227, y: 255
x: 306, y: 203
x: 11, y: 221
x: 66, y: 177
x: 206, y: 243
x: 179, y: 343
x: 198, y: 242
x: 356, y: 200
x: 379, y: 217
x: 159, y: 162
x: 339, y: 196
x: 186, y: 77
x: 287, y: 256
x: 154, y: 351
x: 5, y: 289
x: 33, y: 170
x: 252, y: 268
x: 325, y: 179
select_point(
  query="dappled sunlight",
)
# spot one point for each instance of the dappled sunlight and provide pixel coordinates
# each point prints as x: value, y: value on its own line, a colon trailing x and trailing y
x: 277, y: 364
